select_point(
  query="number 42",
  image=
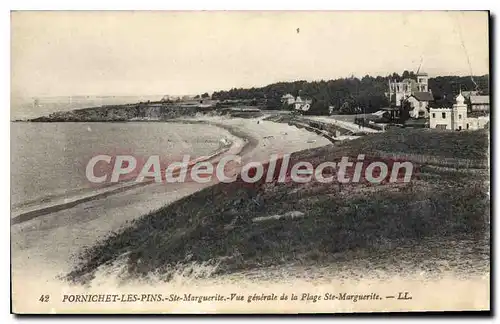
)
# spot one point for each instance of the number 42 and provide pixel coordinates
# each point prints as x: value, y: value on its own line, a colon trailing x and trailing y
x: 44, y: 298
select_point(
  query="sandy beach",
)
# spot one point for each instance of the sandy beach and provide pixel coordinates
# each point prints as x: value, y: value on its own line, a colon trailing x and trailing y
x: 51, y: 243
x: 47, y: 247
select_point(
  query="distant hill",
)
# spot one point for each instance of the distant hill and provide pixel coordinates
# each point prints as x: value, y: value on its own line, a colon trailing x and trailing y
x: 346, y: 94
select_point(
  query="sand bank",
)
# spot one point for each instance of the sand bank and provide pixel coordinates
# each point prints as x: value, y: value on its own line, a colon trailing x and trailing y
x: 51, y: 243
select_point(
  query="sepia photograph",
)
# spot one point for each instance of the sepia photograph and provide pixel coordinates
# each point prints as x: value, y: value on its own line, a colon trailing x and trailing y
x: 250, y: 162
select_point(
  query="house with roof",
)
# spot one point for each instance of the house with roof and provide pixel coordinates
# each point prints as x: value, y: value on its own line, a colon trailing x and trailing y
x: 302, y: 104
x: 288, y: 99
x: 415, y: 92
x: 456, y: 117
x: 399, y: 91
x: 419, y: 102
x: 478, y: 103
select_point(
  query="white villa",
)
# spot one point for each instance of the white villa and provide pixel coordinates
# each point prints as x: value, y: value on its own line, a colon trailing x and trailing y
x: 298, y: 103
x: 288, y: 99
x: 303, y: 105
x: 419, y: 102
x: 456, y: 118
x: 416, y: 92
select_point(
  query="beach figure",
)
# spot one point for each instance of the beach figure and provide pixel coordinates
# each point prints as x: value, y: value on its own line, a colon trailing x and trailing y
x: 224, y: 141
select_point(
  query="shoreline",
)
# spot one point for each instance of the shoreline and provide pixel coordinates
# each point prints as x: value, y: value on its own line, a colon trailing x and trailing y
x: 54, y: 206
x: 213, y: 231
x: 75, y: 229
x: 250, y: 141
x: 117, y: 221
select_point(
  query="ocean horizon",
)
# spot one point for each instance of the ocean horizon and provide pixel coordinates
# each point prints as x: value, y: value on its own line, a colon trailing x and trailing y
x: 48, y: 160
x: 32, y: 107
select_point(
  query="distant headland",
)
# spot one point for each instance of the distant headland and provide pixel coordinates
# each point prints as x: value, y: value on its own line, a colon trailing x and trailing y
x: 340, y: 96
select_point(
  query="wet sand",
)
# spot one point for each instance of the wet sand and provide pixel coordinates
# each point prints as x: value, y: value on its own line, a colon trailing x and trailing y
x: 47, y: 246
x: 51, y: 243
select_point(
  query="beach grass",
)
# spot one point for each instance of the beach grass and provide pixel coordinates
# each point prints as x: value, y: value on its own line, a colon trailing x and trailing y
x: 239, y: 227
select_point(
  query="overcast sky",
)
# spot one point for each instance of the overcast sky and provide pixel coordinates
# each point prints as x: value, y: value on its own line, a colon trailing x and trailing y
x: 142, y: 53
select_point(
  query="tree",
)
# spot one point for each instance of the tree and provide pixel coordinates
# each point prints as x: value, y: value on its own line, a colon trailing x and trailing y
x: 318, y: 107
x: 274, y: 103
x: 205, y: 95
x: 404, y: 112
x: 348, y: 94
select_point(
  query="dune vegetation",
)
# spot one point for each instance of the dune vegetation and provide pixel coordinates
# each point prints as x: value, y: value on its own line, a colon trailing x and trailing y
x: 238, y: 227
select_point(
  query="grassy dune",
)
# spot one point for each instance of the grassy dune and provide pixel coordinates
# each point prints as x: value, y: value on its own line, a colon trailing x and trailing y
x: 239, y: 227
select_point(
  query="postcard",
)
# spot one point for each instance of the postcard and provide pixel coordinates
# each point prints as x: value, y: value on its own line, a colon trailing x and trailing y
x: 244, y: 162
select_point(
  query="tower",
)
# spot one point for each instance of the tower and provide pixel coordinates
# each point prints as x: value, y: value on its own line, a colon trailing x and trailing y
x: 422, y: 82
x: 459, y: 113
x: 398, y: 91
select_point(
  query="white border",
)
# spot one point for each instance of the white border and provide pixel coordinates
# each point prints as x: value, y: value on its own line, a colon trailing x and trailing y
x: 188, y: 5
